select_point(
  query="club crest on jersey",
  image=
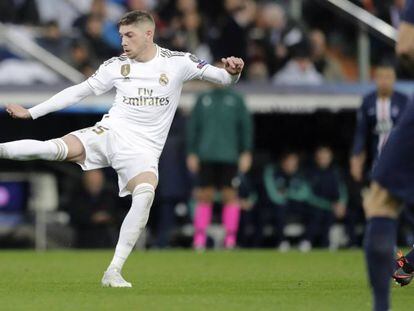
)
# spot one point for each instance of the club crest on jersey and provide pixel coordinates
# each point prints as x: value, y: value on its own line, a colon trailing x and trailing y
x: 125, y: 70
x: 163, y: 79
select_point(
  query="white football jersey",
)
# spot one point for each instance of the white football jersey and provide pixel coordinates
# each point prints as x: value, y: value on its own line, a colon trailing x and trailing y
x: 147, y: 95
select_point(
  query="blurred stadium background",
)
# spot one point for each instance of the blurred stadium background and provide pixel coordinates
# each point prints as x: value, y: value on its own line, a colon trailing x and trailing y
x: 308, y: 65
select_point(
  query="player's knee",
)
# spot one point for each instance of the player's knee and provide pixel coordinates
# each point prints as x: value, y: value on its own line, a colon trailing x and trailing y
x: 205, y: 195
x: 61, y: 148
x: 143, y: 193
x: 75, y: 149
x: 385, y: 210
x: 229, y: 195
x: 144, y: 190
x: 378, y: 202
x: 143, y: 178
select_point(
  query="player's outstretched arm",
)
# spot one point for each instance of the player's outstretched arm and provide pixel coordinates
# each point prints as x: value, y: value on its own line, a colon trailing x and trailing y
x: 233, y: 66
x: 61, y: 100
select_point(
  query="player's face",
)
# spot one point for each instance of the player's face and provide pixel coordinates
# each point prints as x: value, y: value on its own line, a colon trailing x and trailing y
x: 385, y: 79
x: 136, y: 39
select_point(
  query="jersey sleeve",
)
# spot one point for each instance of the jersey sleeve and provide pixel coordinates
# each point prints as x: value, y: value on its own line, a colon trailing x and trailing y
x: 103, y: 79
x: 61, y: 100
x: 193, y: 67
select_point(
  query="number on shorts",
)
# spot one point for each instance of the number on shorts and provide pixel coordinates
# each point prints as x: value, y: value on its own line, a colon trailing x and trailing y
x: 99, y: 129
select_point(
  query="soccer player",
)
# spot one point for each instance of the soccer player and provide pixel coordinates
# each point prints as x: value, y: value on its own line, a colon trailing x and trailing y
x: 379, y: 112
x: 405, y: 50
x: 392, y: 183
x: 148, y: 81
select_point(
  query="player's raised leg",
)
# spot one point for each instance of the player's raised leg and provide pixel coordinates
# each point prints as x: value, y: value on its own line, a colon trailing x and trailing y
x: 68, y: 148
x: 382, y: 210
x: 142, y: 188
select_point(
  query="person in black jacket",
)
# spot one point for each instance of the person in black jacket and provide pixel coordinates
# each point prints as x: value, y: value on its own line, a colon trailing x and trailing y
x: 93, y: 212
x: 328, y: 196
x: 175, y: 184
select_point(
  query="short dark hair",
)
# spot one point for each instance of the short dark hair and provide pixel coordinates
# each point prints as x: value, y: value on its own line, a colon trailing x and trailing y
x: 135, y: 17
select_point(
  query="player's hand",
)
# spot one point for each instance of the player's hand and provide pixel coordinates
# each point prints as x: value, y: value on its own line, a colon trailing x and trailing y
x: 18, y: 112
x: 233, y: 65
x: 245, y: 162
x: 193, y: 163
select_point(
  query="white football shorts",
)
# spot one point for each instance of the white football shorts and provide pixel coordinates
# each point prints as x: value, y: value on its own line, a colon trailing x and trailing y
x: 104, y: 148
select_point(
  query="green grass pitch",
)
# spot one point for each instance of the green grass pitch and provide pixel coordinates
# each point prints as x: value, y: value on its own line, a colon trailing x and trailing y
x: 184, y: 280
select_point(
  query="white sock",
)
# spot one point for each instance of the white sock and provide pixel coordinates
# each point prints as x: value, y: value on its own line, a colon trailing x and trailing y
x: 28, y: 149
x: 133, y: 224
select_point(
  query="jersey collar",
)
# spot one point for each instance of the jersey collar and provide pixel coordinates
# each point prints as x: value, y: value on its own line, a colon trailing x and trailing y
x: 157, y: 54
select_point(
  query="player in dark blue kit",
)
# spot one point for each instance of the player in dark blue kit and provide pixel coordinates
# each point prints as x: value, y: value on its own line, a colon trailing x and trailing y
x: 405, y: 49
x: 380, y: 111
x: 392, y: 184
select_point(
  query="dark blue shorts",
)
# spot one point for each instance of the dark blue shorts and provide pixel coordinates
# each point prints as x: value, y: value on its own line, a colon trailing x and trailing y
x: 394, y: 169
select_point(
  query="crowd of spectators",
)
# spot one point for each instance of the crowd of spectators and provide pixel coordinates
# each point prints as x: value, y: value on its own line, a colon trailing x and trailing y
x: 276, y: 47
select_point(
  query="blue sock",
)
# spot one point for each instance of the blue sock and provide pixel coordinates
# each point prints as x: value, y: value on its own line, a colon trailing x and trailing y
x: 379, y: 244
